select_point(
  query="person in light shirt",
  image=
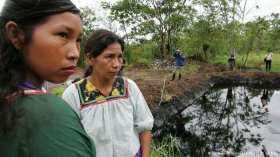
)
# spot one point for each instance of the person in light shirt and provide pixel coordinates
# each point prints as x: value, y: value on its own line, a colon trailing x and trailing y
x: 112, y: 109
x: 268, y: 61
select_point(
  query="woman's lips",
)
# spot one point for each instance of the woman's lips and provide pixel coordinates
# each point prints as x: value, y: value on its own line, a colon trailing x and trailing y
x: 114, y: 73
x: 70, y: 70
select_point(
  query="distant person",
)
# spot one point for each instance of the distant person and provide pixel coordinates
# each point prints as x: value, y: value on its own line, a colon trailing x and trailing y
x: 268, y: 61
x: 112, y: 109
x: 39, y: 42
x: 124, y: 64
x: 231, y: 61
x: 179, y: 63
x: 264, y: 97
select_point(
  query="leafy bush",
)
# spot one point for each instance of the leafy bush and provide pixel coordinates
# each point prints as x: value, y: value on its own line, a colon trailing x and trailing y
x: 144, y: 51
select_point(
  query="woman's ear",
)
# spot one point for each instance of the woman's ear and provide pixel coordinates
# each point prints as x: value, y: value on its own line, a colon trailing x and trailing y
x: 89, y: 59
x: 15, y: 34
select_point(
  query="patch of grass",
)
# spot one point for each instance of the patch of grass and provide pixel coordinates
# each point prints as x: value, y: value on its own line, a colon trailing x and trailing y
x: 58, y: 90
x: 143, y: 61
x: 254, y: 60
x: 147, y: 50
x: 219, y: 59
x: 128, y: 67
x: 191, y: 68
x: 168, y: 147
x: 166, y: 96
x: 275, y: 66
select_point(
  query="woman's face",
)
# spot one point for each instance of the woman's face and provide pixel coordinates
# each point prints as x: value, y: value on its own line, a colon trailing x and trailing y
x: 54, y: 49
x: 108, y: 63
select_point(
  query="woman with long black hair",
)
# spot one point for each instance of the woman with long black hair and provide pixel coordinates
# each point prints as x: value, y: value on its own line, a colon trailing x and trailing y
x: 39, y: 41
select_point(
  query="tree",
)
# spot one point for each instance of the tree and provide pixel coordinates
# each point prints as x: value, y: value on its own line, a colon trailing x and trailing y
x: 88, y: 17
x: 151, y: 18
x: 274, y: 30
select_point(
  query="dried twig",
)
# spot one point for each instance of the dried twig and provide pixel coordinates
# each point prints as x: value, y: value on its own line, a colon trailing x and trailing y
x: 162, y: 90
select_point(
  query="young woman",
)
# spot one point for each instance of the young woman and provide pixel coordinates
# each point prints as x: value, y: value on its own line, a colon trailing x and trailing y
x: 268, y: 61
x: 39, y: 42
x: 112, y: 109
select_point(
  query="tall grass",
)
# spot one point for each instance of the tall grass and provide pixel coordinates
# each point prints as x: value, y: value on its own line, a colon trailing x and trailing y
x: 168, y: 147
x: 191, y: 67
x: 145, y: 53
x: 254, y: 60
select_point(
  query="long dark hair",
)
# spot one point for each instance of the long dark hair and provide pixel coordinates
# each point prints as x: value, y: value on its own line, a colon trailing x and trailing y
x: 27, y: 14
x: 97, y: 42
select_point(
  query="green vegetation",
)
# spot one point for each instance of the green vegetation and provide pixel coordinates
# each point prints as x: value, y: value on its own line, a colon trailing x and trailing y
x: 168, y: 147
x: 275, y: 67
x: 143, y: 53
x: 58, y: 90
x: 191, y: 68
x: 88, y: 16
x: 254, y: 60
x: 154, y: 29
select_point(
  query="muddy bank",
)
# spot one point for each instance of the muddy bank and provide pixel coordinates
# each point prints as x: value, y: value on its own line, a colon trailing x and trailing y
x: 166, y: 109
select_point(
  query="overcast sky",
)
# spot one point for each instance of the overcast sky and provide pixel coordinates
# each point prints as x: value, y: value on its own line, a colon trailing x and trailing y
x: 266, y: 7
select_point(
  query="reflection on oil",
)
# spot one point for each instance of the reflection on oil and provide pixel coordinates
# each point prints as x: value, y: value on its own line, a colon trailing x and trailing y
x: 227, y: 122
x: 264, y: 97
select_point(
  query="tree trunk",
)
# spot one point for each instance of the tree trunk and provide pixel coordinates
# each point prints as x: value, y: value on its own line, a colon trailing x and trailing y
x: 162, y: 45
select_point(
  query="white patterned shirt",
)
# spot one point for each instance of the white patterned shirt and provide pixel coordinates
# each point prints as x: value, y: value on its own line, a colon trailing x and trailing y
x: 113, y: 122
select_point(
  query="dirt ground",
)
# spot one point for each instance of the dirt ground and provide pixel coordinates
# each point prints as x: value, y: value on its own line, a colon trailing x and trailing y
x: 156, y: 84
x: 152, y: 82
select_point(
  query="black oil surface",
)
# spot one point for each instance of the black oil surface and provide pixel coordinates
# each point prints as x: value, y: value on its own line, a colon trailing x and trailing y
x: 235, y: 121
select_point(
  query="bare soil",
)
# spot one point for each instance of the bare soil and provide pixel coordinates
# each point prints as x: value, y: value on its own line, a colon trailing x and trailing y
x: 153, y: 81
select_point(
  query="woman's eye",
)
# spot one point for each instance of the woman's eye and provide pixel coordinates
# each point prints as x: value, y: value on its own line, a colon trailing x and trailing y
x: 110, y: 56
x: 79, y: 40
x: 63, y: 35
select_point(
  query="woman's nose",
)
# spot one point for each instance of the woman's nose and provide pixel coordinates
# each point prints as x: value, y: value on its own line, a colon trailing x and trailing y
x: 117, y: 62
x: 74, y: 52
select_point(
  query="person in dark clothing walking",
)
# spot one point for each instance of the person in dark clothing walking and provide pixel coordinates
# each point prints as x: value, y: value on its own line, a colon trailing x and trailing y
x: 231, y: 61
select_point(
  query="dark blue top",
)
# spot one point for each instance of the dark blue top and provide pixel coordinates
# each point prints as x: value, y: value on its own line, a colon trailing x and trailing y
x: 179, y: 58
